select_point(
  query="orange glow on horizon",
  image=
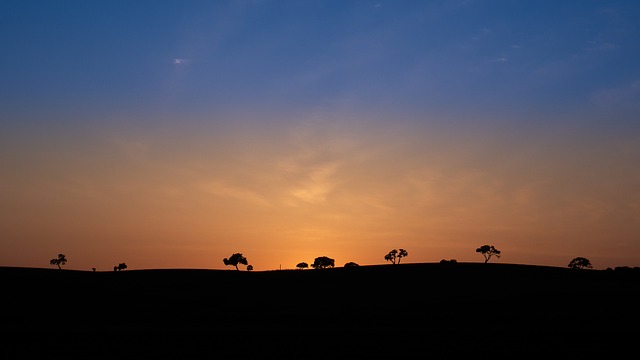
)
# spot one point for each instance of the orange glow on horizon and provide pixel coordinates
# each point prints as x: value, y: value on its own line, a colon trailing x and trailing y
x: 297, y: 191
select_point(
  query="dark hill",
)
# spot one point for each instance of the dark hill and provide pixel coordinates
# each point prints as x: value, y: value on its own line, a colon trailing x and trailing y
x: 427, y: 310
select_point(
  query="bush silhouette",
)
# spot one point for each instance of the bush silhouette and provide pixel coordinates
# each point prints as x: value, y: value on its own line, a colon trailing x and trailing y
x: 580, y: 263
x: 323, y: 262
x: 235, y: 259
x: 120, y: 266
x: 302, y: 265
x: 351, y: 264
x: 488, y: 251
x: 59, y: 261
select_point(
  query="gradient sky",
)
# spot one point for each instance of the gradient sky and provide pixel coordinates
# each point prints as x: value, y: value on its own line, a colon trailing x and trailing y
x: 172, y: 134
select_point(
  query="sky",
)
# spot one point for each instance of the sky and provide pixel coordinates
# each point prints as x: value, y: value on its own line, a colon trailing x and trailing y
x: 173, y: 134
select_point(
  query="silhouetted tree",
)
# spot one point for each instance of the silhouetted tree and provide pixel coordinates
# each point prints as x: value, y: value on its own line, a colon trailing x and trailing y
x: 402, y: 253
x: 249, y: 267
x: 580, y: 263
x: 395, y: 256
x: 59, y: 261
x: 488, y: 251
x: 302, y: 265
x: 94, y: 269
x: 323, y: 262
x: 235, y: 259
x: 120, y: 266
x: 351, y: 264
x: 392, y: 256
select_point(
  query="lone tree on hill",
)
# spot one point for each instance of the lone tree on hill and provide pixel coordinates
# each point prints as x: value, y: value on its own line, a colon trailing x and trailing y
x: 323, y: 262
x: 580, y: 263
x: 302, y: 265
x: 235, y: 259
x: 396, y: 255
x: 120, y: 266
x: 61, y: 260
x: 488, y: 251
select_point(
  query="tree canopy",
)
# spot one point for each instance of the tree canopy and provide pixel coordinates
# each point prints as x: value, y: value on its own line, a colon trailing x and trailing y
x: 580, y: 263
x: 235, y: 259
x: 59, y: 261
x: 322, y: 262
x: 396, y: 255
x: 488, y: 251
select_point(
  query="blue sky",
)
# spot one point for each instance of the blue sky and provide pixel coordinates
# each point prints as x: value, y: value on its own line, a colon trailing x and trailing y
x: 324, y: 127
x: 474, y: 55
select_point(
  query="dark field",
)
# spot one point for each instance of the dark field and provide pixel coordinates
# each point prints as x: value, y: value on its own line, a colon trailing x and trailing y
x: 464, y: 310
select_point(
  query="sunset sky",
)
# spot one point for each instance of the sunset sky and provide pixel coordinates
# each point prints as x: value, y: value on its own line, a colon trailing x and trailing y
x: 172, y: 134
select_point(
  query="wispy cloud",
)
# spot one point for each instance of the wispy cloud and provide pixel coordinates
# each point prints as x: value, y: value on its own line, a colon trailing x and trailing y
x: 309, y: 173
x: 317, y: 185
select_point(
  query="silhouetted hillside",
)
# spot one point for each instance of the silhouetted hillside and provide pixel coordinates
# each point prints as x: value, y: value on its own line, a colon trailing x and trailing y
x: 428, y: 310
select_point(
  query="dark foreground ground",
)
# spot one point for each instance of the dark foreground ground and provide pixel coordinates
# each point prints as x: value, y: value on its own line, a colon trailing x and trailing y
x: 407, y: 311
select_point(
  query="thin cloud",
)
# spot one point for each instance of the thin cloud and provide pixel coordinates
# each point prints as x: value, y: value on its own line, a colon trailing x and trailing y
x: 318, y: 184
